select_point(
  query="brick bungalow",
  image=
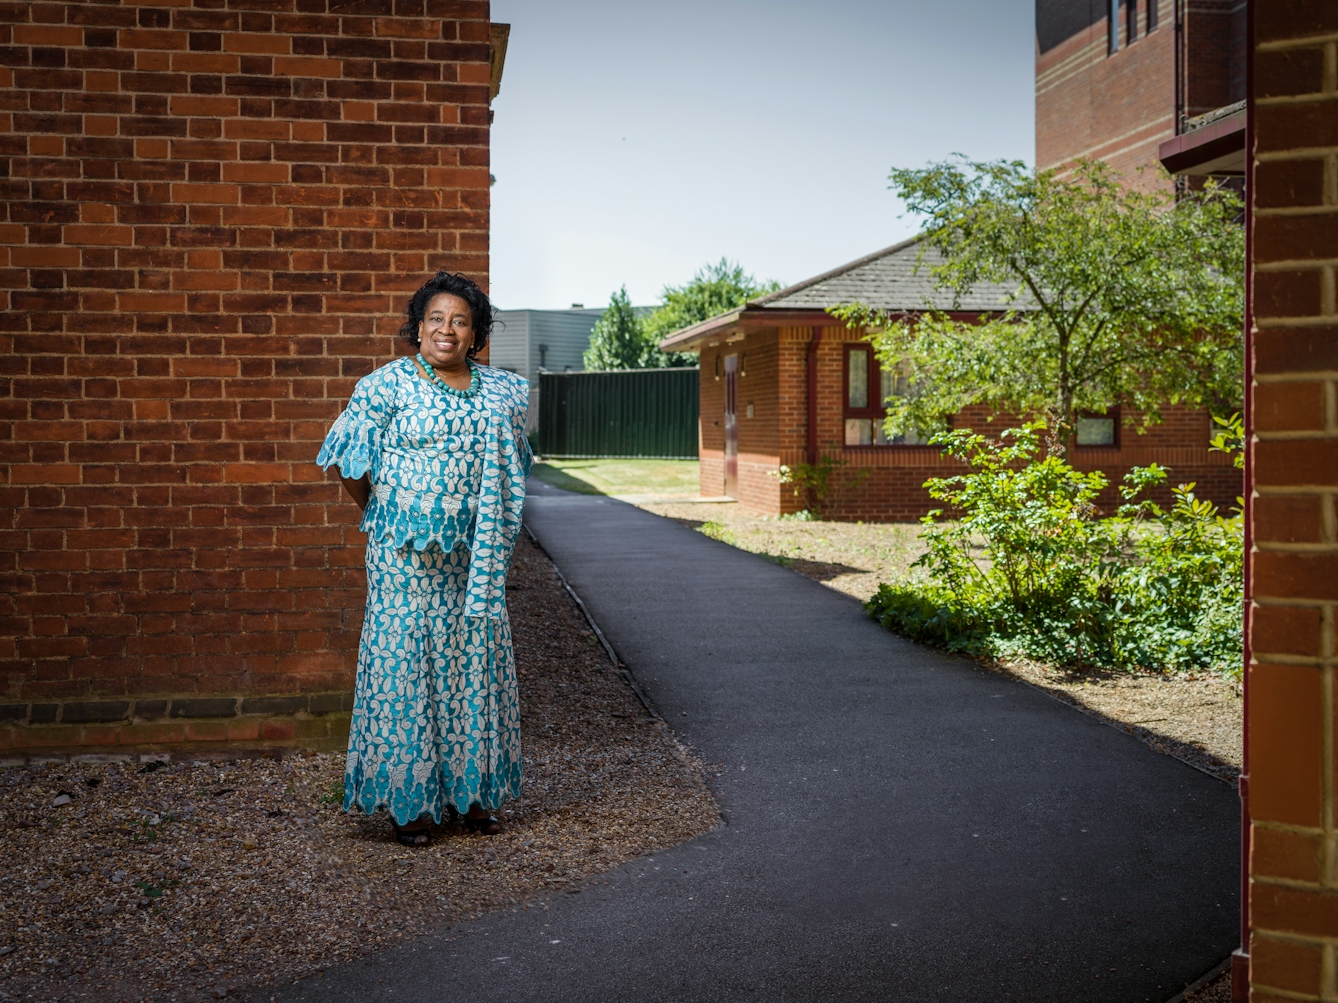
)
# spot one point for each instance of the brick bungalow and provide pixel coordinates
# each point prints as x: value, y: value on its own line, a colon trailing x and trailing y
x: 783, y: 382
x: 213, y: 212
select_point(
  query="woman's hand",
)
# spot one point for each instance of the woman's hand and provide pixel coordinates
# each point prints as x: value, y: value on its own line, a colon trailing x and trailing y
x: 360, y: 490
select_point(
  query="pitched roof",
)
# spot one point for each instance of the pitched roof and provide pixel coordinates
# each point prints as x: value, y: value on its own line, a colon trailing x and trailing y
x: 897, y: 278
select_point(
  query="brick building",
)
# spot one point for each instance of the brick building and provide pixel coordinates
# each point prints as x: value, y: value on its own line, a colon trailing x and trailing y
x: 214, y: 211
x: 1291, y: 911
x: 1118, y: 80
x: 783, y: 382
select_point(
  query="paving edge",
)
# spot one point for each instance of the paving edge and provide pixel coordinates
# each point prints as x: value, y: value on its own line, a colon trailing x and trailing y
x: 1157, y: 742
x: 1202, y: 980
x: 618, y: 666
x: 1163, y: 745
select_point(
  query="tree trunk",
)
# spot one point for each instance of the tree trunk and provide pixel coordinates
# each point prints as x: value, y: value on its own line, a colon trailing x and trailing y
x: 1059, y: 422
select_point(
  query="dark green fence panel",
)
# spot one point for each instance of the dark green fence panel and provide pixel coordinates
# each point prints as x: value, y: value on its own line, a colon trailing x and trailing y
x: 638, y: 412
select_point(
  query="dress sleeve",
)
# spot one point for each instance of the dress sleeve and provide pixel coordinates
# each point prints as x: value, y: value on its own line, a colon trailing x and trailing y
x: 354, y: 442
x: 519, y: 414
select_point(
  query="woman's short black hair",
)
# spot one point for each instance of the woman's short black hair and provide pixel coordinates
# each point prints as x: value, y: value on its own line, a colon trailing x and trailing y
x: 457, y: 285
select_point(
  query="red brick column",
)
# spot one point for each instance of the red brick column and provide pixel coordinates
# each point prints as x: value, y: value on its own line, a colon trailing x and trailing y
x: 212, y: 213
x: 1293, y: 866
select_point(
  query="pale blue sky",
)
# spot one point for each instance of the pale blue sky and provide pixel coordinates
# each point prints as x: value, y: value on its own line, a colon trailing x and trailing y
x: 634, y: 142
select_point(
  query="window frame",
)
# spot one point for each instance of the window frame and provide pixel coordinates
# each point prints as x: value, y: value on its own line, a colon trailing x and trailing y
x: 1112, y: 413
x: 876, y: 410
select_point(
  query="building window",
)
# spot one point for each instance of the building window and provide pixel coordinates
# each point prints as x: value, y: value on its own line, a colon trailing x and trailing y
x: 867, y: 386
x: 1131, y: 21
x: 1112, y: 27
x: 1097, y: 430
x: 1152, y: 14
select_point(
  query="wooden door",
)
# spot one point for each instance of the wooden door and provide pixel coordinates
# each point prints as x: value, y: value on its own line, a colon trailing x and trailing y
x: 732, y: 426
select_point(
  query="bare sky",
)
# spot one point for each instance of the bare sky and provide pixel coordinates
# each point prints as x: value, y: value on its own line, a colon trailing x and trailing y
x: 636, y: 141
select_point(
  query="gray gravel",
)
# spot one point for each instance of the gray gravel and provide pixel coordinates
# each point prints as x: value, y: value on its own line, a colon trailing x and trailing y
x: 197, y: 879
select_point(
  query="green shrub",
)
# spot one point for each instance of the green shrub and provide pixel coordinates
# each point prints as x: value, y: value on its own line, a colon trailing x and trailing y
x: 1028, y: 569
x: 820, y: 483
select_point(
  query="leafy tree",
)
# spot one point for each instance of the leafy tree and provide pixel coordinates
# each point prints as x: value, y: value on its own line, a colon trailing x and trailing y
x: 714, y: 289
x: 618, y: 340
x: 623, y: 340
x: 1134, y: 297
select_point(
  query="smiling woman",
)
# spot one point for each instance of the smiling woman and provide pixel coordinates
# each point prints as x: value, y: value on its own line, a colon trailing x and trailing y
x: 433, y: 449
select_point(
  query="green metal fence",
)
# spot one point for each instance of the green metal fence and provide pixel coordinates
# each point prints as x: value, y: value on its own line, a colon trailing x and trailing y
x: 632, y: 413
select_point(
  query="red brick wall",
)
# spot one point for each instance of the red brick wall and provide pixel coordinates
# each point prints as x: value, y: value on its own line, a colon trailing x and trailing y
x: 212, y: 215
x: 892, y: 489
x: 759, y: 372
x: 1290, y: 695
x: 1117, y: 108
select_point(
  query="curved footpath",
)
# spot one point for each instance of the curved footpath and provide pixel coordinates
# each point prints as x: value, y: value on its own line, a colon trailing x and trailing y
x: 899, y: 824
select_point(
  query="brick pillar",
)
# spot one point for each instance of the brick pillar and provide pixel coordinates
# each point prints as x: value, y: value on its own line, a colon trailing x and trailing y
x: 1293, y: 864
x: 214, y: 210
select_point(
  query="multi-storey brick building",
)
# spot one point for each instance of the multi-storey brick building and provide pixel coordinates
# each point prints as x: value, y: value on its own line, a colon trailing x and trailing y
x: 1132, y: 82
x: 214, y: 212
x: 783, y: 382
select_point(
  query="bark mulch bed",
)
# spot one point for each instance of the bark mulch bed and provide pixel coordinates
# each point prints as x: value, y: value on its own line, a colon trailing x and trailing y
x: 204, y: 880
x: 1197, y: 718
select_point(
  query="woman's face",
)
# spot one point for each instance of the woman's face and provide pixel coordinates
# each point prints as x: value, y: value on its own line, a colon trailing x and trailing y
x: 447, y: 332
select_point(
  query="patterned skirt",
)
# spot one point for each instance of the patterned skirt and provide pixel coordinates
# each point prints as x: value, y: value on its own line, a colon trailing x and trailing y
x: 436, y: 719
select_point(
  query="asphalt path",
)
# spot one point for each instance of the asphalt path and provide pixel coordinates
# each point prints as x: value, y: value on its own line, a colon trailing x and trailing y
x: 899, y: 824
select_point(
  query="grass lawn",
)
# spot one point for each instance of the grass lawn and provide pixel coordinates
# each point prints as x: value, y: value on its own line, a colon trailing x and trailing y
x: 663, y: 478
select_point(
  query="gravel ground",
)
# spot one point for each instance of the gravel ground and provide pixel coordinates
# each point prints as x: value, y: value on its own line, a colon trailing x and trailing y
x: 1216, y: 991
x: 199, y: 880
x: 1195, y: 718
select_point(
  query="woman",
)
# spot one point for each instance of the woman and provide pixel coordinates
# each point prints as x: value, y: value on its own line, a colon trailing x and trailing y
x: 432, y: 447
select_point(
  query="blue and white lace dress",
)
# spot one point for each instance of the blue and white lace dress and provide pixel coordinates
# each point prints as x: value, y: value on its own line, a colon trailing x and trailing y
x: 436, y: 719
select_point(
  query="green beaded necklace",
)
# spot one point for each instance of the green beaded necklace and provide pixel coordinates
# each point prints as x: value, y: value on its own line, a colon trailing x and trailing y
x: 474, y: 380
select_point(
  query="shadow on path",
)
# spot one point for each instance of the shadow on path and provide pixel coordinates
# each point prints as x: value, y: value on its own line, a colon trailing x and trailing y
x: 900, y: 825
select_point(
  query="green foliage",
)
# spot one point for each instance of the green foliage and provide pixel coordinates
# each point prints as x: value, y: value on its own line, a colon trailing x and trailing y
x: 816, y: 483
x: 717, y: 530
x: 1133, y: 297
x: 1028, y: 569
x: 618, y: 340
x: 1230, y: 440
x: 624, y: 340
x: 714, y: 289
x: 334, y: 794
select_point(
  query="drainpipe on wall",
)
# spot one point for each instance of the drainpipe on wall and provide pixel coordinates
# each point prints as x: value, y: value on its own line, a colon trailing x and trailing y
x: 1240, y: 958
x: 813, y: 395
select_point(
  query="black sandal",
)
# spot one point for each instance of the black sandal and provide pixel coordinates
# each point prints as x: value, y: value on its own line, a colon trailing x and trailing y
x: 488, y: 825
x: 412, y: 837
